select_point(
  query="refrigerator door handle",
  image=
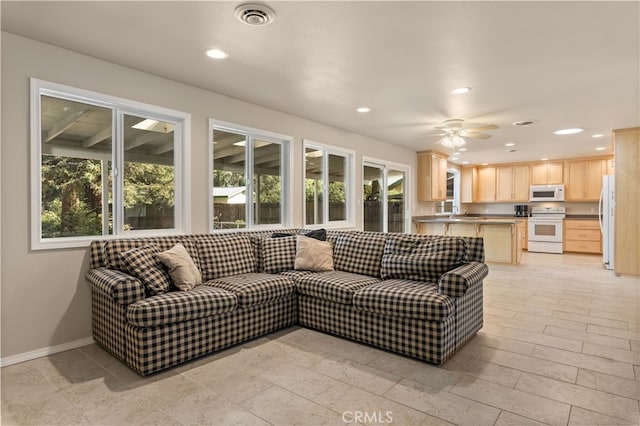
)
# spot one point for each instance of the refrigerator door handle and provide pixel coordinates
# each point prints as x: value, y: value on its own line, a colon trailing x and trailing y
x: 600, y: 212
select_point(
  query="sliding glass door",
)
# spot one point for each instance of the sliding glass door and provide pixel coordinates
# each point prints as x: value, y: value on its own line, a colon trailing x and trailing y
x: 385, y: 207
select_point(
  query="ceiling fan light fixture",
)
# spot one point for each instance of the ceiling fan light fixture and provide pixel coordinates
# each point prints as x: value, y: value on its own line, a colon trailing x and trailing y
x: 453, y: 141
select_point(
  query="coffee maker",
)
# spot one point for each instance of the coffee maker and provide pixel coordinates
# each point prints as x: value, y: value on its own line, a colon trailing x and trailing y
x: 521, y: 210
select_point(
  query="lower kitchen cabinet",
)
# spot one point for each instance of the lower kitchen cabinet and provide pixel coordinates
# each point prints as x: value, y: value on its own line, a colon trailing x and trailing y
x: 432, y: 228
x: 463, y: 229
x: 502, y: 243
x: 582, y: 236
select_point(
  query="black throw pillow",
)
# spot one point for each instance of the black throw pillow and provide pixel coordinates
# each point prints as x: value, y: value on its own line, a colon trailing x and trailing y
x: 318, y: 234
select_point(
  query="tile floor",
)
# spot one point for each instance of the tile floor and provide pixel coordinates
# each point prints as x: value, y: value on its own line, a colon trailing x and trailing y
x: 560, y: 346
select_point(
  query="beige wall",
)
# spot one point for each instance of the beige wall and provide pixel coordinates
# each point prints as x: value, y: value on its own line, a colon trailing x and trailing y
x: 45, y: 299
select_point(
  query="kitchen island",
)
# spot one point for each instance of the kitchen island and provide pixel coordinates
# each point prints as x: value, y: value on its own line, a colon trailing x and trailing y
x: 502, y: 236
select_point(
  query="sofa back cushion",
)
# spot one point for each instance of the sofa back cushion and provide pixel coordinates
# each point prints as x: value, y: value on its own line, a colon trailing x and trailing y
x: 279, y: 254
x: 111, y: 249
x: 223, y: 256
x: 359, y: 252
x: 422, y: 259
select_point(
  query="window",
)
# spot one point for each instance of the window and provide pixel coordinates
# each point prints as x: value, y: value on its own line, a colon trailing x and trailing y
x: 328, y: 176
x: 249, y: 178
x: 384, y: 188
x: 104, y: 166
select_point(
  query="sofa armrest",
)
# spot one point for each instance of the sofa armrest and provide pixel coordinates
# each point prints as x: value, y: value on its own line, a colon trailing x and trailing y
x: 456, y: 282
x: 121, y: 287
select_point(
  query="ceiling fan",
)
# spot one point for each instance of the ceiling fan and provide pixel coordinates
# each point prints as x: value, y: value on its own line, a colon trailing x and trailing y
x: 454, y: 133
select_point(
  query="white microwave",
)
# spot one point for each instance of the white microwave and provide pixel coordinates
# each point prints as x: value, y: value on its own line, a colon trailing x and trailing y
x: 546, y: 193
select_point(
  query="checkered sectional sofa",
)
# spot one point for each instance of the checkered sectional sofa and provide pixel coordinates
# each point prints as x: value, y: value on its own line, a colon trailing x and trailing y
x: 417, y: 295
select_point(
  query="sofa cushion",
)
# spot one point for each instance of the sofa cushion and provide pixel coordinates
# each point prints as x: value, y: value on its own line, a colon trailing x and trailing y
x: 223, y: 256
x: 143, y: 264
x: 313, y: 255
x: 359, y: 252
x: 113, y: 248
x: 255, y: 289
x: 335, y: 286
x: 279, y: 254
x: 422, y: 259
x: 180, y: 306
x: 402, y: 298
x: 183, y: 271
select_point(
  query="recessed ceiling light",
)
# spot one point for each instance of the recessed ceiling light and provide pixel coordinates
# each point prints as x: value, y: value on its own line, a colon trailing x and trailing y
x: 570, y: 131
x: 455, y: 159
x: 509, y: 144
x: 523, y: 123
x: 217, y: 54
x: 598, y: 135
x: 485, y: 164
x: 460, y: 90
x: 601, y: 148
x: 544, y: 159
x: 363, y: 109
x: 462, y: 149
x: 465, y: 162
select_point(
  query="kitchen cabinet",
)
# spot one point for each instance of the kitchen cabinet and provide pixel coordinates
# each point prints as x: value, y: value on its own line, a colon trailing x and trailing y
x: 432, y: 228
x: 502, y: 243
x: 432, y: 176
x: 512, y: 183
x: 582, y: 236
x: 462, y: 229
x: 584, y: 179
x: 525, y: 234
x: 486, y: 184
x: 468, y: 184
x: 547, y: 173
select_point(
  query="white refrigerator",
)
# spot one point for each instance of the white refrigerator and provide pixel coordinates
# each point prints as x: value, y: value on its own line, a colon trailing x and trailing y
x: 606, y: 209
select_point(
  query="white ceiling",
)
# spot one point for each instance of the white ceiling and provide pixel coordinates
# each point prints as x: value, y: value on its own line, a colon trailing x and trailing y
x: 561, y: 64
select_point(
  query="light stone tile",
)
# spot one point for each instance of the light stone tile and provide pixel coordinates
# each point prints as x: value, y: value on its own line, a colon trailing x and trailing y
x: 509, y: 419
x: 586, y: 337
x: 604, y: 382
x: 299, y: 380
x: 348, y: 400
x: 356, y: 374
x: 491, y: 340
x: 613, y: 315
x: 515, y: 323
x: 601, y: 402
x: 279, y: 406
x: 444, y: 405
x: 25, y: 384
x: 468, y: 362
x: 51, y: 411
x: 534, y: 365
x: 635, y: 346
x: 499, y: 313
x: 592, y: 320
x: 581, y: 417
x: 636, y: 369
x: 546, y: 320
x: 589, y: 362
x: 542, y: 339
x: 535, y: 407
x: 561, y: 307
x: 518, y: 307
x: 614, y: 332
x: 606, y: 352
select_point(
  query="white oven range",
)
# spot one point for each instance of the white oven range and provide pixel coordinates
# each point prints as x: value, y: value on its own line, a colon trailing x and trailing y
x: 545, y: 229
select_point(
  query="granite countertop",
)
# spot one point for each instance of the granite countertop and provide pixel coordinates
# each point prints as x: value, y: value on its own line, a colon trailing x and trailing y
x: 497, y: 220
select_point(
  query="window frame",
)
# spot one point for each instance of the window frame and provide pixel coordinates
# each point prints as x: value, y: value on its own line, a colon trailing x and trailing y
x: 349, y: 185
x: 286, y: 161
x: 119, y: 107
x: 385, y: 166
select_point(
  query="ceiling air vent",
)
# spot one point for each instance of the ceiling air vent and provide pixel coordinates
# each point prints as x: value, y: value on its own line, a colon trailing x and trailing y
x: 255, y: 14
x: 524, y: 123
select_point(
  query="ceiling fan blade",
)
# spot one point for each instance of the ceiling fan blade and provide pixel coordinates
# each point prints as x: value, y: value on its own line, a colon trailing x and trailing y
x: 437, y: 134
x: 480, y: 128
x: 474, y: 135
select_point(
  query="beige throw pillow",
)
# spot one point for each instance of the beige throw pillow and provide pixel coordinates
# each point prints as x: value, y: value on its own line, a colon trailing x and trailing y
x: 313, y: 255
x: 183, y: 271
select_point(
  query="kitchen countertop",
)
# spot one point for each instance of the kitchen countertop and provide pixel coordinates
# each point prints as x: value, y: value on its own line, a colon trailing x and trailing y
x: 493, y: 220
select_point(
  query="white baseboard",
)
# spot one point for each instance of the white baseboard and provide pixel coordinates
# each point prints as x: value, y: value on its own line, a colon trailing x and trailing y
x: 49, y: 350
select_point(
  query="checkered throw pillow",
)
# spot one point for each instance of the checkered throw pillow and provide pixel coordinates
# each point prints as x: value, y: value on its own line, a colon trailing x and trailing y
x: 359, y: 253
x: 279, y: 254
x: 422, y: 260
x: 143, y: 264
x: 224, y: 256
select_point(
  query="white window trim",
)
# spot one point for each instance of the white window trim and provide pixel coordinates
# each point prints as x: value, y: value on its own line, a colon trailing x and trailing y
x: 386, y: 165
x: 287, y: 165
x: 350, y: 189
x: 182, y: 155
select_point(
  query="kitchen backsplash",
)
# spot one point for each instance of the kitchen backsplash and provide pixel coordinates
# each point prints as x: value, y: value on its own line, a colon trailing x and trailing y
x: 507, y: 208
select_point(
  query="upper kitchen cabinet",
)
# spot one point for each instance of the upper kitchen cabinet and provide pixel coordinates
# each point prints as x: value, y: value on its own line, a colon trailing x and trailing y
x: 512, y: 183
x: 547, y: 173
x: 468, y: 184
x: 486, y: 185
x: 432, y: 176
x: 584, y: 179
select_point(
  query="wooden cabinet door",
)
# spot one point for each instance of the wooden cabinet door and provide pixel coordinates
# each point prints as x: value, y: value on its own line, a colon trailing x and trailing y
x: 504, y: 183
x: 521, y: 183
x: 487, y: 184
x: 468, y: 184
x: 432, y: 177
x: 539, y: 174
x: 555, y: 173
x: 575, y: 189
x: 594, y: 171
x: 439, y: 177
